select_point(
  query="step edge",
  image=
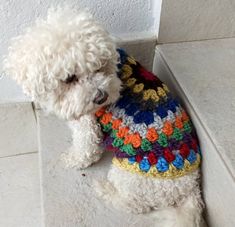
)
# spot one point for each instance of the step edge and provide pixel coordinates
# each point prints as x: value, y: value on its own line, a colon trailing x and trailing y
x: 185, y: 98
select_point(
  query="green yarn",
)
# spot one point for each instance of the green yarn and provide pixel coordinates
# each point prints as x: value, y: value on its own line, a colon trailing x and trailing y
x: 162, y: 140
x: 128, y: 149
x: 117, y: 142
x: 146, y: 145
x: 147, y: 125
x: 177, y: 134
x: 107, y: 128
x: 114, y: 133
x: 187, y: 127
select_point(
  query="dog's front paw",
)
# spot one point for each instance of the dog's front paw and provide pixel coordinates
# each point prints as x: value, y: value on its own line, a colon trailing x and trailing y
x: 72, y: 160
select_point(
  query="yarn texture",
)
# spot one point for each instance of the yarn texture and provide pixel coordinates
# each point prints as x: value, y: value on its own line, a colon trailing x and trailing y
x: 147, y: 129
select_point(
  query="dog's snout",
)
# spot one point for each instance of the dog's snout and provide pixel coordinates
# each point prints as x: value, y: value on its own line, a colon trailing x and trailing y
x: 100, y: 97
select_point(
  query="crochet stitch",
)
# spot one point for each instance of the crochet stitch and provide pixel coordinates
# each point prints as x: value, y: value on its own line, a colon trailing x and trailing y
x: 148, y: 130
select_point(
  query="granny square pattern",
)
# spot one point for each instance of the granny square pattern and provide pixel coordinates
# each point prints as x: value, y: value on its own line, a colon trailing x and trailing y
x: 147, y: 129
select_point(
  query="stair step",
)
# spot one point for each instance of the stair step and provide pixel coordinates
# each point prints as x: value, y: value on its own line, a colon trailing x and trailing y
x: 69, y: 198
x: 18, y: 129
x: 20, y: 191
x: 203, y: 75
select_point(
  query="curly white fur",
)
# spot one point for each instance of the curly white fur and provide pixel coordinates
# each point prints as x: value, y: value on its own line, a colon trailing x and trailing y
x: 66, y: 43
x: 86, y: 139
x: 73, y: 43
x: 177, y: 200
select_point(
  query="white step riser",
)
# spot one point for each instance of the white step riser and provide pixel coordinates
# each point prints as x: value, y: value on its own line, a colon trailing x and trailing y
x: 218, y: 185
x: 17, y: 129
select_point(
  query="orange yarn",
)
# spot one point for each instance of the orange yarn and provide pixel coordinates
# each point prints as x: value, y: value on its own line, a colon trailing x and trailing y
x: 122, y: 132
x: 106, y: 118
x: 116, y: 124
x: 136, y: 140
x: 168, y: 129
x: 185, y: 117
x: 152, y: 135
x: 127, y: 139
x: 178, y: 123
x: 133, y: 139
x: 100, y: 112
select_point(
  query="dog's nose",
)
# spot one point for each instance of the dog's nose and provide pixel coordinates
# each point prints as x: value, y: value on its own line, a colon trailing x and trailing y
x: 101, y: 97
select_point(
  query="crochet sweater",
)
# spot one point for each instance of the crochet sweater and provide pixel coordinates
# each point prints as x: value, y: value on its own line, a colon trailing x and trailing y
x: 147, y: 129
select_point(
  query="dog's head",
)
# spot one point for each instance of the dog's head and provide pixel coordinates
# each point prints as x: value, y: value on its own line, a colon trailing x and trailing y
x: 67, y: 63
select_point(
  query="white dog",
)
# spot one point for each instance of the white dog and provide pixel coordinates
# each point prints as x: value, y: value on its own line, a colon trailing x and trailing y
x: 68, y: 64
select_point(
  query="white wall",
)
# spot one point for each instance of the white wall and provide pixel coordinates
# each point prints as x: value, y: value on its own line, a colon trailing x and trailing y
x: 127, y: 19
x: 189, y: 20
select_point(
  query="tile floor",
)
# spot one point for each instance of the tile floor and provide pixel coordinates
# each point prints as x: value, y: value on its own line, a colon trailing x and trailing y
x: 20, y: 191
x: 19, y: 165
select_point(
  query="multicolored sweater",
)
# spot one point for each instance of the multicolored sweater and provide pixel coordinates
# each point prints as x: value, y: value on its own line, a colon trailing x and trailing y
x: 148, y: 130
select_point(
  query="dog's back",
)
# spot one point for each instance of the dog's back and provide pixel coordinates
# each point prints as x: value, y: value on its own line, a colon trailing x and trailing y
x: 148, y: 130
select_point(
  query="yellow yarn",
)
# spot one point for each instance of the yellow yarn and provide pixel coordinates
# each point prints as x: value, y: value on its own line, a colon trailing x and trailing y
x: 147, y: 94
x: 131, y: 60
x: 150, y: 93
x: 161, y: 92
x: 127, y: 71
x: 165, y: 88
x: 173, y: 172
x: 154, y: 96
x: 138, y: 88
x: 130, y: 82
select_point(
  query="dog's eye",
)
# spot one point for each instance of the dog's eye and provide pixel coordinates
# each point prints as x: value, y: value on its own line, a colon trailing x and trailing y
x: 71, y: 78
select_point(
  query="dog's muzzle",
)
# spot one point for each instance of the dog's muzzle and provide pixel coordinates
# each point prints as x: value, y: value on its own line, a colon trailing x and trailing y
x: 100, y: 97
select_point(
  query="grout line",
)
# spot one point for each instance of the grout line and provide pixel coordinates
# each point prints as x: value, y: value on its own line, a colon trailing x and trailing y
x: 195, y: 113
x: 14, y: 102
x: 42, y: 194
x: 134, y: 40
x: 196, y: 40
x: 15, y: 155
x: 34, y: 111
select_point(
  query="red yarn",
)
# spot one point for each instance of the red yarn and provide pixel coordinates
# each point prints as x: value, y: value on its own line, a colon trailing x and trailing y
x: 138, y: 158
x: 168, y: 155
x: 146, y: 74
x: 152, y: 158
x: 184, y: 150
x: 194, y: 144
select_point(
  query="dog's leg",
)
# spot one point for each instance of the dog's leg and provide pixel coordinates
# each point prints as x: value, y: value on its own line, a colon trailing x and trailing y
x: 176, y: 201
x: 115, y: 190
x: 189, y: 213
x: 85, y: 149
x: 110, y: 194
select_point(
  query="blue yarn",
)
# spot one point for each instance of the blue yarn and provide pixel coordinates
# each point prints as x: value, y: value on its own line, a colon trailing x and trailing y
x: 131, y: 109
x: 138, y: 118
x: 144, y: 165
x: 123, y: 102
x: 148, y: 117
x: 161, y: 112
x: 192, y: 157
x: 162, y: 165
x: 122, y: 55
x: 171, y: 105
x: 178, y: 162
x: 176, y: 102
x: 144, y: 116
x: 131, y: 160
